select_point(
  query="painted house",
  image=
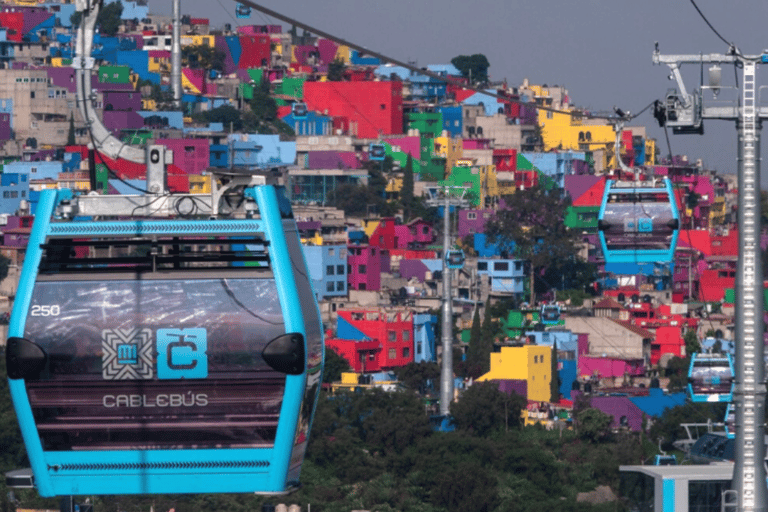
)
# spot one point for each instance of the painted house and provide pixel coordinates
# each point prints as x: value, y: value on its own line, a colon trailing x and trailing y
x: 365, y: 267
x: 529, y: 363
x: 391, y: 235
x: 507, y: 276
x: 327, y: 265
x: 373, y: 340
x: 372, y: 108
x: 473, y: 221
x: 424, y: 349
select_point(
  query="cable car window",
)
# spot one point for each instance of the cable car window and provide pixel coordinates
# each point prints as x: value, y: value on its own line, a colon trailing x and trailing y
x: 114, y: 346
x: 638, y: 225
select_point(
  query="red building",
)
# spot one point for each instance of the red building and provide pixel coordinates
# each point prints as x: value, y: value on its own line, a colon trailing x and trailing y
x: 364, y: 267
x: 391, y: 235
x: 255, y: 52
x: 372, y: 340
x: 669, y: 340
x: 372, y: 108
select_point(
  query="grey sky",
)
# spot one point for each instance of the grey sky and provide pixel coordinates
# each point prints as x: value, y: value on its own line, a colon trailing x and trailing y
x: 600, y: 50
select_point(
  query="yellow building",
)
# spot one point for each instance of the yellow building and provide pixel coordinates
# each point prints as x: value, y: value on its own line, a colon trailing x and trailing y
x: 450, y: 149
x: 531, y: 363
x: 199, y: 184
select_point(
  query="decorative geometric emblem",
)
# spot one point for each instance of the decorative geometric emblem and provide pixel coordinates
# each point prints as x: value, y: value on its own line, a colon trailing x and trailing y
x: 126, y: 354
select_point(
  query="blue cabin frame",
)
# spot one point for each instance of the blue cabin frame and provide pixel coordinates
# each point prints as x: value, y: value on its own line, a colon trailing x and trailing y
x: 638, y: 229
x: 260, y: 467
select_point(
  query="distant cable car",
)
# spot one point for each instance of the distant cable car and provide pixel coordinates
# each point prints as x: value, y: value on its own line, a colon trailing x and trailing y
x: 665, y: 460
x: 377, y: 152
x: 550, y: 314
x: 711, y: 378
x: 638, y: 223
x: 299, y: 110
x: 243, y: 11
x: 454, y: 259
x: 172, y: 355
x: 730, y: 422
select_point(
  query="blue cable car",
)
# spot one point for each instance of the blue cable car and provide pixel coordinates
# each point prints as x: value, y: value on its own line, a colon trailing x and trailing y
x: 174, y: 355
x: 299, y: 110
x: 665, y: 460
x: 454, y: 258
x: 243, y: 11
x: 730, y: 422
x: 550, y: 314
x: 638, y: 224
x: 377, y: 152
x: 711, y: 378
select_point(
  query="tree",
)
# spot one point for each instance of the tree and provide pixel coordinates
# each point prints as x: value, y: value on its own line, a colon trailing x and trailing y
x: 554, y: 383
x: 593, y: 424
x: 227, y: 115
x: 71, y: 133
x: 406, y: 193
x: 533, y: 222
x: 473, y: 67
x: 692, y: 344
x: 336, y: 70
x: 416, y: 376
x: 483, y: 409
x: 335, y: 365
x: 475, y: 348
x: 109, y: 20
x: 202, y: 56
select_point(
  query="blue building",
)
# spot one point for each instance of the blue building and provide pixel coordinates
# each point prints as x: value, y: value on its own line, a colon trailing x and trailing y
x: 453, y: 123
x: 310, y: 124
x: 327, y: 266
x: 556, y: 165
x: 507, y: 275
x: 255, y: 151
x: 14, y: 187
x: 424, y: 337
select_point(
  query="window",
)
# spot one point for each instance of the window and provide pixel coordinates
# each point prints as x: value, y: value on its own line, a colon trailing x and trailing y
x: 362, y: 269
x: 331, y: 252
x: 340, y: 270
x: 406, y: 335
x: 418, y: 348
x: 471, y: 215
x: 391, y: 336
x: 32, y: 94
x: 482, y: 265
x: 518, y: 266
x: 501, y: 266
x: 33, y: 170
x: 392, y: 353
x: 406, y: 352
x: 340, y: 286
x: 329, y: 269
x: 329, y: 286
x: 6, y: 194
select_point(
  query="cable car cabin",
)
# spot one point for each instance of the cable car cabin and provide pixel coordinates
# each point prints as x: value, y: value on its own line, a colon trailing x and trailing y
x: 550, y: 314
x: 454, y: 259
x: 165, y: 356
x: 299, y: 110
x: 710, y: 378
x: 665, y: 460
x: 243, y: 11
x: 730, y: 422
x: 377, y: 152
x: 638, y: 224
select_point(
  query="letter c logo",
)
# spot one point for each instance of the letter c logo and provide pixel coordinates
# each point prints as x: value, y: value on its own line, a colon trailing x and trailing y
x: 181, y: 354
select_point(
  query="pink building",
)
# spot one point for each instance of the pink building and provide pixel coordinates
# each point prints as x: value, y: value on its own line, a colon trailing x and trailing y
x: 364, y: 267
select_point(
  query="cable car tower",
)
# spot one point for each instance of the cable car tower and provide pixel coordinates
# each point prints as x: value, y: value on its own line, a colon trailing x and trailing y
x: 685, y: 113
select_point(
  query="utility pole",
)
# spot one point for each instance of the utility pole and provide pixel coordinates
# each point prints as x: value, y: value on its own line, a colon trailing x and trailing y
x: 176, y: 55
x: 685, y: 113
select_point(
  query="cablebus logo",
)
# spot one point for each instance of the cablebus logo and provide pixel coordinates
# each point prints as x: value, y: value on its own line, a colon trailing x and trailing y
x: 128, y: 354
x: 181, y: 354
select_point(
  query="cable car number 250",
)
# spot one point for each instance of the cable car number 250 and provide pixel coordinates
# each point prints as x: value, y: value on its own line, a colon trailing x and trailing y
x: 38, y: 310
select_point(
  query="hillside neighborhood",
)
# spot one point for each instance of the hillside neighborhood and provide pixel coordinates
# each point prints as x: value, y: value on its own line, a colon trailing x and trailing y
x: 365, y: 151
